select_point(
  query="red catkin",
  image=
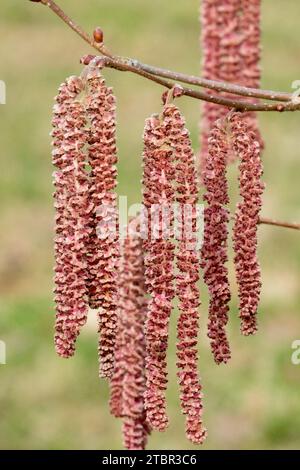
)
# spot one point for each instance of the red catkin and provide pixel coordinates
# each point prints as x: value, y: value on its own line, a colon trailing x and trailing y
x: 251, y: 47
x: 247, y: 148
x: 103, y: 246
x: 72, y: 215
x: 214, y: 249
x: 250, y: 51
x: 128, y: 382
x: 135, y: 433
x: 120, y: 366
x: 231, y: 53
x: 186, y: 282
x: 158, y: 200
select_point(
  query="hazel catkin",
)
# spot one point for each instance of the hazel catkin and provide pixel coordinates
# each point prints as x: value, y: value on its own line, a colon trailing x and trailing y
x: 72, y: 215
x: 103, y: 244
x: 128, y: 382
x: 247, y: 148
x: 230, y: 37
x: 187, y: 258
x: 214, y: 250
x: 158, y: 200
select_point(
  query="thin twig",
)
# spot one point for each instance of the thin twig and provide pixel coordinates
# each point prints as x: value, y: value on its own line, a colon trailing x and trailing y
x: 80, y: 31
x: 277, y: 223
x: 153, y: 73
x: 215, y: 84
x: 125, y: 64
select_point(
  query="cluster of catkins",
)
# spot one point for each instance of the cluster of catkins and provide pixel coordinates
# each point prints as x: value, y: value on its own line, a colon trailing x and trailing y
x: 132, y: 281
x: 231, y: 135
x: 170, y: 177
x: 86, y: 247
x: 231, y: 53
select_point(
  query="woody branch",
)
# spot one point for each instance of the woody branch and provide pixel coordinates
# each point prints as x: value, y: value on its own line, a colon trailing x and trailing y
x: 283, y: 100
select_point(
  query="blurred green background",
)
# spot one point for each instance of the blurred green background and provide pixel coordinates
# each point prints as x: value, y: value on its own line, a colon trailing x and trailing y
x: 50, y: 403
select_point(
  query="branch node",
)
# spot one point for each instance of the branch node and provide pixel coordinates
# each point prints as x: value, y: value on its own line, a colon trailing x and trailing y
x: 98, y: 35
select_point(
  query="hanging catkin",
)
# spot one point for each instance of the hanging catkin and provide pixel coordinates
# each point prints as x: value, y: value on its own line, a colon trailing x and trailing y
x: 250, y: 50
x: 214, y: 249
x: 135, y: 433
x: 158, y: 200
x: 72, y: 215
x: 231, y: 53
x: 120, y: 366
x: 247, y: 148
x: 103, y: 244
x: 186, y: 280
x: 128, y: 381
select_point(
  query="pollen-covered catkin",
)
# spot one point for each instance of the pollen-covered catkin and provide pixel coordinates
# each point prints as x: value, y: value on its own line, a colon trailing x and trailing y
x: 158, y: 200
x: 187, y: 257
x: 247, y: 148
x: 250, y: 51
x: 120, y: 366
x: 135, y: 433
x: 72, y: 215
x: 103, y: 245
x: 230, y: 37
x: 128, y: 382
x: 214, y: 249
